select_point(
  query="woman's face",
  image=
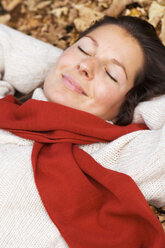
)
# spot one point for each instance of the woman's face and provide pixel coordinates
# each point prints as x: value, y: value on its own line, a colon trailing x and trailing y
x: 95, y: 73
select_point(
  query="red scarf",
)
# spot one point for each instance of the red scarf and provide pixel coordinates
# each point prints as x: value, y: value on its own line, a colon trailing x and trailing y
x: 92, y: 207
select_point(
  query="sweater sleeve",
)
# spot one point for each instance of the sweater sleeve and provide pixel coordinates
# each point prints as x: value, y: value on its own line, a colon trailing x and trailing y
x: 139, y: 154
x: 24, y: 61
x: 6, y: 89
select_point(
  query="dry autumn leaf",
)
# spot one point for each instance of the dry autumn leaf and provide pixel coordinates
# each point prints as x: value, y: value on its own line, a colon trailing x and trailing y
x: 85, y: 17
x: 60, y: 22
x: 155, y: 13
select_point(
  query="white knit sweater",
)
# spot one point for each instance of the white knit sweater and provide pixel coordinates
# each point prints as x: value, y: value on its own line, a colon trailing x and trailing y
x: 24, y: 223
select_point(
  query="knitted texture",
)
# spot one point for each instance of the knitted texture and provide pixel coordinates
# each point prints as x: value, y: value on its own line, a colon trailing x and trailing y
x: 21, y: 197
x: 24, y: 60
x: 82, y: 198
x: 24, y: 221
x: 24, y: 63
x: 139, y: 154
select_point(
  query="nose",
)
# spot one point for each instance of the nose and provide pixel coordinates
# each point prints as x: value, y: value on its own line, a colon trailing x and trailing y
x: 86, y: 68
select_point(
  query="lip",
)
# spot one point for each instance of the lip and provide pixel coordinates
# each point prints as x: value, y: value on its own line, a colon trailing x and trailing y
x: 72, y: 84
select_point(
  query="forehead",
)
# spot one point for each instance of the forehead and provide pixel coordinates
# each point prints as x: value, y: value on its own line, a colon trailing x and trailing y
x: 108, y: 32
x: 113, y: 41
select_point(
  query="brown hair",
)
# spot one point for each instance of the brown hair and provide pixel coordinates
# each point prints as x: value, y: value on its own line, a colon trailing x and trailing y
x: 150, y: 81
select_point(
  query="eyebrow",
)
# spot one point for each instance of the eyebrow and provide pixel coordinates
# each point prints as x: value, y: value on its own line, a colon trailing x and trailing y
x: 96, y: 44
x: 115, y: 61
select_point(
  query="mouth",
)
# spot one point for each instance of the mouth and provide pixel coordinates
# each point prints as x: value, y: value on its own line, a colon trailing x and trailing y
x: 72, y: 84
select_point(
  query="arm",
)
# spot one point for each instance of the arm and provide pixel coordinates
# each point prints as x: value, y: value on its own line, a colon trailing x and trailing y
x: 24, y: 61
x: 140, y: 154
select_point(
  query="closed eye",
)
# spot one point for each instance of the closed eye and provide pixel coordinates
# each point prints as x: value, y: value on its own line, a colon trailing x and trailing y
x: 82, y: 50
x: 114, y: 79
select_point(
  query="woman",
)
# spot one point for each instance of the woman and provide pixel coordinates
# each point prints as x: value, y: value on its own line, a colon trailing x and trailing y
x: 109, y: 75
x: 134, y: 42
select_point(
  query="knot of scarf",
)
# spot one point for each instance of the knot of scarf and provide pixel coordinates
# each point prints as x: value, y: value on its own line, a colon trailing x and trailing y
x: 92, y: 207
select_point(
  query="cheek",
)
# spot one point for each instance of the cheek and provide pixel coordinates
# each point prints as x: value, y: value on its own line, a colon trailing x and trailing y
x: 103, y: 91
x: 109, y: 97
x: 67, y: 59
x: 62, y: 63
x: 66, y: 62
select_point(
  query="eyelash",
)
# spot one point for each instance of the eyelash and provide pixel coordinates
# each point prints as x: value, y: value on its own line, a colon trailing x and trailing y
x: 114, y: 79
x: 82, y: 50
x: 105, y: 69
